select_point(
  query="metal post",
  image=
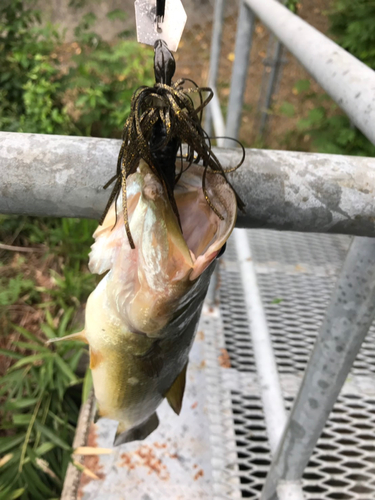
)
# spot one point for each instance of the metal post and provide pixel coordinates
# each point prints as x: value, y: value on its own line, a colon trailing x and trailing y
x: 272, y: 80
x: 217, y: 119
x: 273, y: 402
x: 217, y: 31
x: 245, y: 28
x: 349, y: 317
x: 347, y: 80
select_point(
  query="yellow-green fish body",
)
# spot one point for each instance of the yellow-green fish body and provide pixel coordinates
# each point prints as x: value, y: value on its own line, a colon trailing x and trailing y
x: 142, y: 317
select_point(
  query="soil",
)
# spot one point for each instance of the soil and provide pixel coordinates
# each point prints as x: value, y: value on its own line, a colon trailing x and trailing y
x: 193, y: 62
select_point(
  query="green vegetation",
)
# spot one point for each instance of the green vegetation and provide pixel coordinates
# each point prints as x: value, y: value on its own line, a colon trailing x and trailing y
x: 329, y: 129
x: 41, y: 390
x: 49, y: 86
x: 352, y: 23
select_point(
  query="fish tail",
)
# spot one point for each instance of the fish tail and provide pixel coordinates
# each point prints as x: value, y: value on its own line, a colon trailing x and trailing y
x: 137, y: 433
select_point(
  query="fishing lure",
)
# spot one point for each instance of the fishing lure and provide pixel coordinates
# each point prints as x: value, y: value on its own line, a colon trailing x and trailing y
x: 163, y: 117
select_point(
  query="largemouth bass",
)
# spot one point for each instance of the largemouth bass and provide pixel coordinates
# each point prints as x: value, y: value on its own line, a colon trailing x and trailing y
x: 142, y: 317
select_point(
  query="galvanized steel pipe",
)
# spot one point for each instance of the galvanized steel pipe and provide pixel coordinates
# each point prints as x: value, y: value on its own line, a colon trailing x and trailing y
x: 217, y: 31
x: 61, y: 176
x: 347, y: 80
x: 245, y: 28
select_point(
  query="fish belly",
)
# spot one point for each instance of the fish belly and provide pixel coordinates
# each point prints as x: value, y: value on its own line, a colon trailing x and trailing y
x: 123, y: 391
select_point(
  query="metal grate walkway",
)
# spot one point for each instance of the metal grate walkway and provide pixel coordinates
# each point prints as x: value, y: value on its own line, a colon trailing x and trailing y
x: 296, y: 273
x: 218, y: 448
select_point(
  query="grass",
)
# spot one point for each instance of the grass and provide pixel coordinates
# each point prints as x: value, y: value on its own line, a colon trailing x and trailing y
x: 42, y: 294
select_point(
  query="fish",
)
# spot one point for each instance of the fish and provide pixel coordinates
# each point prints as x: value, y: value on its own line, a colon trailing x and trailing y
x: 141, y: 320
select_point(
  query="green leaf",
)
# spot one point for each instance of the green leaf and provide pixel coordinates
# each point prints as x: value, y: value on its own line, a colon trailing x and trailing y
x: 302, y: 86
x: 7, y: 443
x: 21, y: 419
x: 277, y: 301
x: 44, y: 448
x: 20, y: 403
x: 117, y: 14
x: 31, y: 346
x: 64, y: 321
x: 65, y: 369
x: 49, y: 434
x: 30, y: 360
x: 48, y: 331
x: 287, y: 109
x: 316, y: 115
x: 41, y: 490
x: 11, y: 354
x: 87, y: 385
x: 15, y: 494
x: 27, y: 334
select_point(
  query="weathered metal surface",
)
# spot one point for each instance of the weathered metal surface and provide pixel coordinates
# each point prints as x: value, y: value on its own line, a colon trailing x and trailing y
x: 63, y: 177
x: 217, y: 31
x: 346, y: 79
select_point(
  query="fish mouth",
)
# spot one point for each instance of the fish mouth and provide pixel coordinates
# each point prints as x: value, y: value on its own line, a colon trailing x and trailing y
x: 204, y: 233
x: 179, y: 250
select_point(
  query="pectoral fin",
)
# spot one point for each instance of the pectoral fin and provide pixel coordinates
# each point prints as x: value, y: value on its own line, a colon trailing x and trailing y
x: 137, y: 433
x: 81, y: 336
x: 176, y: 392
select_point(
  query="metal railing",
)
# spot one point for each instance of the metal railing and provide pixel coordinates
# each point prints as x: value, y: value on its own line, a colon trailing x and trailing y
x: 351, y: 84
x: 63, y: 176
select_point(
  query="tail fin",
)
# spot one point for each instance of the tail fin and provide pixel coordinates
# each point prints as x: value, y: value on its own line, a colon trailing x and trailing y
x: 137, y: 433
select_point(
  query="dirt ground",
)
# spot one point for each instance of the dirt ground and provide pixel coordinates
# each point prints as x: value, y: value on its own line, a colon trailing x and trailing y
x: 193, y: 62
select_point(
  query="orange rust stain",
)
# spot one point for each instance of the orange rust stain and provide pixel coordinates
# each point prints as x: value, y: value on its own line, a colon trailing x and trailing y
x: 194, y: 405
x: 145, y: 457
x: 126, y: 461
x: 148, y: 459
x: 202, y: 364
x: 200, y: 335
x: 160, y: 446
x: 96, y: 357
x: 224, y: 359
x: 91, y: 462
x: 173, y: 455
x: 199, y: 474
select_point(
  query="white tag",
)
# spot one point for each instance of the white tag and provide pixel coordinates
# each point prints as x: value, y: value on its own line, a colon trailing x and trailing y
x: 170, y: 30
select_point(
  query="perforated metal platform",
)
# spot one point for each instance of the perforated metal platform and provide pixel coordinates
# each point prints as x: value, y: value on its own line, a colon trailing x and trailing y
x: 296, y: 273
x: 219, y: 448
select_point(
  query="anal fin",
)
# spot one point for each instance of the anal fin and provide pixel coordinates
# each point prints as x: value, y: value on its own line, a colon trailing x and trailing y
x: 80, y: 336
x: 137, y: 433
x: 175, y: 393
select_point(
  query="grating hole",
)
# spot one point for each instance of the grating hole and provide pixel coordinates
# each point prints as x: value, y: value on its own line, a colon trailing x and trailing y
x: 340, y: 496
